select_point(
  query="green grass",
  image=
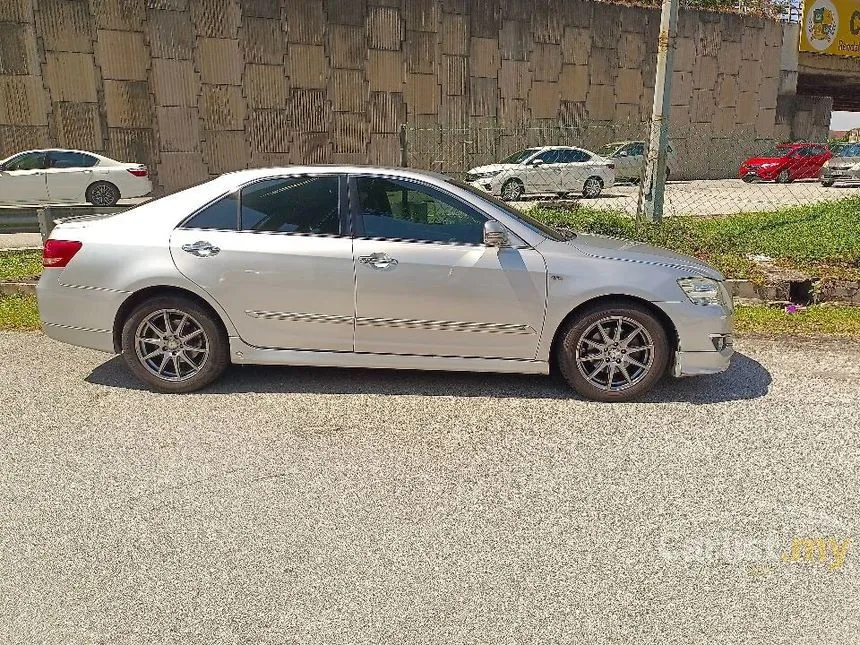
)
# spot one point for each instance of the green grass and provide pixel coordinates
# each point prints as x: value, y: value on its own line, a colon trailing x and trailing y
x: 822, y: 240
x: 815, y: 321
x: 18, y: 313
x: 16, y: 265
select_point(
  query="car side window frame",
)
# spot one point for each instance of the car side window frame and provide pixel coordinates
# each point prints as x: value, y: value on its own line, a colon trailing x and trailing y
x: 344, y: 230
x: 22, y: 155
x: 237, y: 193
x: 82, y: 155
x: 357, y: 221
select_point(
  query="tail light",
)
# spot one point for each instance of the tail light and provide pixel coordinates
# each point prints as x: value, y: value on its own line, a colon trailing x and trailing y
x: 141, y: 171
x: 58, y: 253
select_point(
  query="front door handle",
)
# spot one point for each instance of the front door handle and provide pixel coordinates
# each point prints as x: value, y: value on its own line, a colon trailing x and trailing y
x: 201, y: 249
x: 378, y: 260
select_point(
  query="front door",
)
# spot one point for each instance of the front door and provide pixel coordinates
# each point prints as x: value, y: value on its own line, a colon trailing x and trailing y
x: 276, y: 257
x: 22, y: 179
x: 426, y: 284
x: 546, y: 176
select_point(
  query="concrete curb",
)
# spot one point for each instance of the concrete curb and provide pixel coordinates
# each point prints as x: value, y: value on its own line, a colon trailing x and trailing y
x: 17, y: 288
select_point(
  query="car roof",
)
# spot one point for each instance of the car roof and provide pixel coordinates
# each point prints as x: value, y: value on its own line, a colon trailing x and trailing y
x: 249, y: 174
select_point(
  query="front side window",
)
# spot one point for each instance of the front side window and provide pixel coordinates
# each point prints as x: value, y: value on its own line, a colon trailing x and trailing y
x: 637, y: 149
x: 303, y: 205
x: 221, y: 215
x: 71, y: 160
x: 519, y: 157
x: 28, y: 161
x: 394, y: 209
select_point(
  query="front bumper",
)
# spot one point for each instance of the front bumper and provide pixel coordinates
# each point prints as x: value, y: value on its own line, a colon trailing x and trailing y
x: 846, y: 174
x: 705, y: 342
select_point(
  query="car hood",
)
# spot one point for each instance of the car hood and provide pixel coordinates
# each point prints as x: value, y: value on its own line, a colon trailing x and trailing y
x: 494, y: 168
x: 843, y: 161
x: 616, y: 248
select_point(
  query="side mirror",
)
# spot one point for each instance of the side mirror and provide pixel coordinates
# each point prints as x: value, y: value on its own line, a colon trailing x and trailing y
x: 623, y: 153
x: 537, y: 162
x: 495, y: 234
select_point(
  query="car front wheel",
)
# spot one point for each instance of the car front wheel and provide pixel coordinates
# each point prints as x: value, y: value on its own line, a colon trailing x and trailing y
x: 592, y: 187
x: 784, y: 177
x: 614, y: 352
x: 173, y: 344
x: 827, y: 183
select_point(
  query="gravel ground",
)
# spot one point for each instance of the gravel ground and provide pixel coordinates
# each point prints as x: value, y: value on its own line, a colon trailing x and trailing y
x: 344, y: 506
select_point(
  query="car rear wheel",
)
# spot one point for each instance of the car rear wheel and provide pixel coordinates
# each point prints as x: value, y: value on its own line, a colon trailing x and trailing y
x: 614, y: 352
x: 784, y: 177
x: 592, y: 187
x: 173, y: 344
x: 102, y: 193
x: 513, y: 190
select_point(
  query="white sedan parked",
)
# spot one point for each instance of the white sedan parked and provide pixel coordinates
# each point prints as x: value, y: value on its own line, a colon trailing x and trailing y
x: 70, y: 177
x: 548, y: 169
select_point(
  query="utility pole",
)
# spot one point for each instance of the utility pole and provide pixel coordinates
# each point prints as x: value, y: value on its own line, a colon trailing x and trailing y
x: 654, y: 183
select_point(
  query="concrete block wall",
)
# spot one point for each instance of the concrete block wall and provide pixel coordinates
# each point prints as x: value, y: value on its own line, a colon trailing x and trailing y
x: 194, y: 88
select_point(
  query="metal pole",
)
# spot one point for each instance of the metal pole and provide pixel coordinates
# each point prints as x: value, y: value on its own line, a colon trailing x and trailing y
x: 654, y: 182
x: 404, y: 146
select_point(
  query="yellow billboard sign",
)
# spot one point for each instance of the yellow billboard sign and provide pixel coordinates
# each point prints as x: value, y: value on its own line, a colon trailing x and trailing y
x: 831, y: 27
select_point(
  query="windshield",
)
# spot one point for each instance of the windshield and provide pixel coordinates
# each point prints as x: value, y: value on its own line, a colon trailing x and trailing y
x: 847, y: 150
x: 777, y: 152
x: 609, y: 149
x: 519, y: 157
x: 535, y: 225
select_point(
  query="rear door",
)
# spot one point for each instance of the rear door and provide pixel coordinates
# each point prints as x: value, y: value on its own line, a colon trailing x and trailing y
x: 277, y: 256
x: 23, y: 179
x: 575, y: 169
x: 68, y: 175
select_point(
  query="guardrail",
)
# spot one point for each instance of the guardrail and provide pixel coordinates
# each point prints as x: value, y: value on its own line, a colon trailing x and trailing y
x: 41, y: 219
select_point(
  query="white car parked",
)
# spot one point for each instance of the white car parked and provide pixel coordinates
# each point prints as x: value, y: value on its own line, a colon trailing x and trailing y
x: 70, y: 177
x: 547, y: 169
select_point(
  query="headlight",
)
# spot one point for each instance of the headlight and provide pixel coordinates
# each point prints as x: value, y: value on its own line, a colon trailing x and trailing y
x: 702, y: 291
x: 486, y: 175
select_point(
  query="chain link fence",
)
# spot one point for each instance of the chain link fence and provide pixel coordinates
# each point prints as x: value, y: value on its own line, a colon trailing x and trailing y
x: 602, y: 166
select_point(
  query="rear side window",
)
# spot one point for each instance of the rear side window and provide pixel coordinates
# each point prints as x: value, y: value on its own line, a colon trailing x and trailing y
x: 71, y: 160
x: 574, y: 156
x: 304, y: 205
x: 222, y: 215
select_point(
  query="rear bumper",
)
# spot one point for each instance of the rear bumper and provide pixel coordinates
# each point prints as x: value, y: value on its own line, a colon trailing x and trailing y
x: 77, y: 315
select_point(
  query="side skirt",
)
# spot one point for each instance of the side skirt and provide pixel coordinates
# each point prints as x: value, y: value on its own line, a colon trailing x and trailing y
x: 243, y: 354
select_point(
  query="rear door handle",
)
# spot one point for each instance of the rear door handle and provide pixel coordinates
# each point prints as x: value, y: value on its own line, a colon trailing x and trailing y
x: 378, y: 260
x: 201, y: 249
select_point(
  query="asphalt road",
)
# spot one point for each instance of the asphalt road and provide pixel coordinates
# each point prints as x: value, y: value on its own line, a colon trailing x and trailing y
x: 336, y: 506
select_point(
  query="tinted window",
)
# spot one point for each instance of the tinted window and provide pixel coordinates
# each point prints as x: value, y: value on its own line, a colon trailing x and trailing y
x: 400, y: 210
x: 292, y: 205
x: 637, y: 149
x: 222, y: 215
x: 550, y: 156
x: 573, y: 156
x: 71, y: 160
x: 28, y: 161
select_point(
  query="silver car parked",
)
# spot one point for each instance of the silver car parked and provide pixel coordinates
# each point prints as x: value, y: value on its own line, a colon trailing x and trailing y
x: 379, y: 268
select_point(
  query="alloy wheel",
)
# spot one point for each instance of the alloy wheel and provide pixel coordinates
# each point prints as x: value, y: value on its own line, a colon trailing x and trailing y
x: 102, y: 195
x: 615, y: 353
x: 512, y: 190
x: 592, y: 187
x: 171, y: 345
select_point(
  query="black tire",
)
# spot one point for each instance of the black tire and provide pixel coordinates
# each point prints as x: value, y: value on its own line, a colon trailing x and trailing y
x: 783, y: 177
x: 578, y: 333
x: 592, y: 187
x: 748, y: 179
x: 513, y: 190
x: 827, y: 183
x: 102, y: 193
x: 211, y: 366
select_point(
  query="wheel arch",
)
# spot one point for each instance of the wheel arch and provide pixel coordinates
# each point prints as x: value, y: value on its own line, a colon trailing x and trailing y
x: 147, y: 293
x: 659, y: 314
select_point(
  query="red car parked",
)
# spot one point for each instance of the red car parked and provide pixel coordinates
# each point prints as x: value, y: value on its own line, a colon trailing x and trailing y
x: 786, y: 163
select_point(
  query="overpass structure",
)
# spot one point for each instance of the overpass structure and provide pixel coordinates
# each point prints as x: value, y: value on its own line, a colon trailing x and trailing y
x: 835, y: 76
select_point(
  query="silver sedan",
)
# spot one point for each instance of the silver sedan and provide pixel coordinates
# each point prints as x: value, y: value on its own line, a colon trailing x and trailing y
x: 375, y: 268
